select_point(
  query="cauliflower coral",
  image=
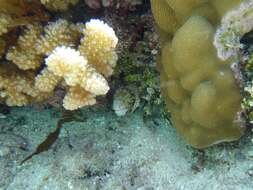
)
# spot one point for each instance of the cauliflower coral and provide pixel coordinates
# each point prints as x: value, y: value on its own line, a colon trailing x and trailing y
x: 67, y: 66
x: 103, y: 56
x: 81, y: 72
x: 23, y: 54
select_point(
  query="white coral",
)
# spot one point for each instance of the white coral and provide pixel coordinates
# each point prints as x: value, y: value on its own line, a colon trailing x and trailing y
x: 98, y: 46
x: 58, y: 33
x: 69, y: 64
x: 82, y: 81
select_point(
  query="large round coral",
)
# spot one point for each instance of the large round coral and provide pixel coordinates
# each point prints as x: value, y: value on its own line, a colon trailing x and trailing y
x: 199, y: 88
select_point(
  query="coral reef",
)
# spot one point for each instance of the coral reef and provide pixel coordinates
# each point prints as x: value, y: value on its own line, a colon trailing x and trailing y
x: 43, y: 57
x: 199, y: 88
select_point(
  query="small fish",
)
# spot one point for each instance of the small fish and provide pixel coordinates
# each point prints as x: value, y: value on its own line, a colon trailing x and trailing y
x: 47, y: 143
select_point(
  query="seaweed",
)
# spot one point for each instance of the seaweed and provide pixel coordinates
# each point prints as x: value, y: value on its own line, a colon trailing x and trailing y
x: 67, y: 116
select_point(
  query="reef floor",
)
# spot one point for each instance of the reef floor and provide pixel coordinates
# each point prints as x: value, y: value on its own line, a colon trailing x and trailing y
x: 114, y: 153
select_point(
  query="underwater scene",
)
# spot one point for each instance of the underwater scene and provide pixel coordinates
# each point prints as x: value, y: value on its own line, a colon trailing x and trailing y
x: 126, y: 94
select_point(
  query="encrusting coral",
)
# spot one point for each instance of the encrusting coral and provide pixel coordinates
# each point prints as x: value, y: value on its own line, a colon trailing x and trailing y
x: 44, y: 58
x: 199, y: 88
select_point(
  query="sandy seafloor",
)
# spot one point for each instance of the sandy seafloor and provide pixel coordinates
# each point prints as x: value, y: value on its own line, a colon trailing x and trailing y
x: 115, y: 153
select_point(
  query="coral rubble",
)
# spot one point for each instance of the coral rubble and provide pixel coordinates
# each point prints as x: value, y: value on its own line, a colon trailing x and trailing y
x: 199, y: 88
x: 40, y: 58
